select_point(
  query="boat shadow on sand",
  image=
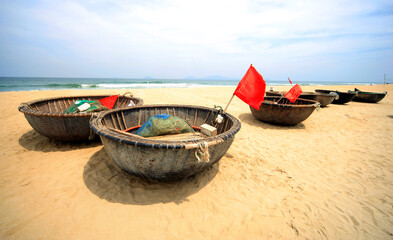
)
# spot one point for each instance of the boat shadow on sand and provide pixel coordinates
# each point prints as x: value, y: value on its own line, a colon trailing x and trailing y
x: 251, y: 120
x: 106, y: 180
x: 34, y: 141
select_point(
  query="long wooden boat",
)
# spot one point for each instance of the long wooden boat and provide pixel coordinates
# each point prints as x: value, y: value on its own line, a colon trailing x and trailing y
x: 343, y: 97
x: 280, y: 111
x: 163, y: 158
x: 47, y: 116
x: 368, y: 97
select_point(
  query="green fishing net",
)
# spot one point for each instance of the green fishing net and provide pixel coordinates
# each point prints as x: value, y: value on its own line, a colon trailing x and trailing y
x: 85, y: 106
x: 164, y: 124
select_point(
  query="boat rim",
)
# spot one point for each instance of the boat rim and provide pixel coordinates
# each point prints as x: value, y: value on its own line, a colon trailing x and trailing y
x: 369, y: 93
x: 337, y: 91
x: 133, y: 139
x: 312, y: 102
x: 26, y: 108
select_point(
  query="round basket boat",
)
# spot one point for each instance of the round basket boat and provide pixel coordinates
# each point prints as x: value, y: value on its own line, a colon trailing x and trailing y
x: 325, y: 99
x: 47, y: 118
x: 343, y: 97
x: 280, y: 111
x: 304, y: 95
x: 167, y: 159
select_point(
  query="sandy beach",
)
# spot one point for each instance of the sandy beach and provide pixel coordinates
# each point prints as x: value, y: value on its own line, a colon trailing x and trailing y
x: 330, y: 177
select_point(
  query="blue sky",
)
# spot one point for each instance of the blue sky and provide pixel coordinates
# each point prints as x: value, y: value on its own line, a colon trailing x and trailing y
x: 336, y: 40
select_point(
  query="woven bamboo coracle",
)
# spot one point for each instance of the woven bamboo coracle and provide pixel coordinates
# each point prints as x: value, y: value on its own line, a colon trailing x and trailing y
x: 163, y: 159
x: 304, y: 95
x: 343, y: 97
x: 280, y: 111
x: 47, y: 118
x: 325, y: 99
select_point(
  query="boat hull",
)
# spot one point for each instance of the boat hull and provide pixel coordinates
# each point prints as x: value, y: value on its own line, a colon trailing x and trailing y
x: 284, y: 113
x: 47, y: 118
x: 164, y: 160
x: 325, y: 99
x: 369, y: 97
x: 343, y: 97
x: 160, y: 163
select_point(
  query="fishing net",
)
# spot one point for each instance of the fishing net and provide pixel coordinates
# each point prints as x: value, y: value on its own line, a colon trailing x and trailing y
x: 85, y: 106
x: 164, y: 124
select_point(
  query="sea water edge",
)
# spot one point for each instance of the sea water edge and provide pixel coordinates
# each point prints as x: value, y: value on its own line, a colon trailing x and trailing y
x: 36, y: 84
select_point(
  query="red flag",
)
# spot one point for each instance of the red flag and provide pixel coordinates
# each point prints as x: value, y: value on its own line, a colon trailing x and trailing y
x: 109, y: 102
x: 251, y: 89
x: 290, y: 81
x: 294, y: 93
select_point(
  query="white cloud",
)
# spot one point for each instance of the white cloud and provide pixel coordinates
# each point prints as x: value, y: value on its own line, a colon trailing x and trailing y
x: 179, y: 38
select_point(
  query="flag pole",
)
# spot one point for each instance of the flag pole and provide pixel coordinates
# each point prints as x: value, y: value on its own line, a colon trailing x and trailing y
x: 228, y: 104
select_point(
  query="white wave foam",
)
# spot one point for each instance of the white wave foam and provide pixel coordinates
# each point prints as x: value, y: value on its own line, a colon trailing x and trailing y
x: 88, y: 85
x: 151, y: 85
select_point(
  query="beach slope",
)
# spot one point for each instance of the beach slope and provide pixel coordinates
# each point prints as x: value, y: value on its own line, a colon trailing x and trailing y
x: 329, y: 177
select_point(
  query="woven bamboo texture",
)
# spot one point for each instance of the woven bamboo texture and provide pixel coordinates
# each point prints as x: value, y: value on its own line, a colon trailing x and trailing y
x: 368, y: 97
x: 343, y: 97
x: 280, y: 111
x: 162, y: 159
x: 304, y: 95
x: 47, y: 118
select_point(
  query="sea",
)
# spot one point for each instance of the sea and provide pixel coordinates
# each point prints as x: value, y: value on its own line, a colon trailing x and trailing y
x: 45, y: 83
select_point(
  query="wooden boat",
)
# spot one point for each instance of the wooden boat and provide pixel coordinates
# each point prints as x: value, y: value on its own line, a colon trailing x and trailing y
x: 163, y: 158
x: 343, y: 97
x: 369, y: 97
x: 325, y: 99
x: 280, y: 111
x: 47, y: 118
x: 304, y: 95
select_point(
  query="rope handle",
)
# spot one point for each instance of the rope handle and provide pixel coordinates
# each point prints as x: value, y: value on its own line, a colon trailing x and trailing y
x: 197, y: 145
x: 203, y: 151
x: 93, y: 117
x: 317, y: 106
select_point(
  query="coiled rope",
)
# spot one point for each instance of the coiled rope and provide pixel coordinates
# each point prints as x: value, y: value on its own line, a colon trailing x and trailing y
x: 203, y: 151
x: 93, y: 117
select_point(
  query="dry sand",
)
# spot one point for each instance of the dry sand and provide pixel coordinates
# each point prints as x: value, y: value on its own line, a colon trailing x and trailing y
x: 330, y: 177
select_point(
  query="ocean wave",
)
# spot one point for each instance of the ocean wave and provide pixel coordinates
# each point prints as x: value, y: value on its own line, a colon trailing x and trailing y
x: 31, y: 84
x: 60, y: 85
x: 45, y: 86
x: 149, y: 85
x: 120, y: 85
x: 88, y: 85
